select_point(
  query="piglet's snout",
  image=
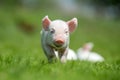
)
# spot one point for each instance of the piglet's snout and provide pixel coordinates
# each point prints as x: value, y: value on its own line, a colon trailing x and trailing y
x: 59, y: 40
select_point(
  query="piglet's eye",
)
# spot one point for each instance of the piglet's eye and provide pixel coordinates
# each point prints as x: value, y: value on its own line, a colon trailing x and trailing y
x: 52, y: 31
x: 66, y: 32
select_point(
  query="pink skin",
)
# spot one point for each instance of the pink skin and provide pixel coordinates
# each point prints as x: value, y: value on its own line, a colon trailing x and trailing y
x: 55, y: 36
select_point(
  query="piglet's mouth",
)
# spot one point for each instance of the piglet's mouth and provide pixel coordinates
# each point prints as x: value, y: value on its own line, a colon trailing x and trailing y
x: 58, y: 45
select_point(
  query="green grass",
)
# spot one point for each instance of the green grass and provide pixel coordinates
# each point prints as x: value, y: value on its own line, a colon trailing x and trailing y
x: 21, y: 56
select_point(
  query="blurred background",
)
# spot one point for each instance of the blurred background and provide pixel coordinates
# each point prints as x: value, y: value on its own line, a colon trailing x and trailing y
x: 109, y: 9
x: 20, y: 26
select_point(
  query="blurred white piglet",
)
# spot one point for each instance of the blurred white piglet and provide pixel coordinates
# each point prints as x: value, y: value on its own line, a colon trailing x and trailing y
x: 55, y: 37
x: 85, y: 53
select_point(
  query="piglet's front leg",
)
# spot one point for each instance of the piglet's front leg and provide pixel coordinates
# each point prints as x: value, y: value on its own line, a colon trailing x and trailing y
x: 48, y: 50
x: 63, y: 55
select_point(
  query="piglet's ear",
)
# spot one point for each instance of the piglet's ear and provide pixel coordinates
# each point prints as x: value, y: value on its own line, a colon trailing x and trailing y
x: 46, y: 22
x: 72, y: 24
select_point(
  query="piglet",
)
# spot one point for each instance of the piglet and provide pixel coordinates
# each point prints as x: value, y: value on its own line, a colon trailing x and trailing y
x: 86, y: 54
x: 55, y: 37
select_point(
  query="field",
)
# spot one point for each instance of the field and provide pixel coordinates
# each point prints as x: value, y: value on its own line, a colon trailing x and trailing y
x: 22, y: 58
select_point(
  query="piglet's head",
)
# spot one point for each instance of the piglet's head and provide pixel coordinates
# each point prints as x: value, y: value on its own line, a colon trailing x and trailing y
x: 59, y: 30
